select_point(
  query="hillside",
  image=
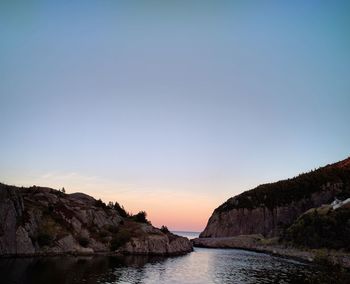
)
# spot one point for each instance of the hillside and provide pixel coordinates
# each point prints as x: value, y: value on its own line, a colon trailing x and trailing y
x: 44, y: 221
x: 322, y: 227
x: 270, y: 208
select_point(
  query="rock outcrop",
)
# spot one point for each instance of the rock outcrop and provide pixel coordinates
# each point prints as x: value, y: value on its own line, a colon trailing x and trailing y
x: 44, y: 221
x: 249, y: 242
x: 270, y: 208
x: 157, y: 244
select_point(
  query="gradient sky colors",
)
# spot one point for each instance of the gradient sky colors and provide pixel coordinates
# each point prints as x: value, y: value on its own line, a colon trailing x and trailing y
x: 171, y: 106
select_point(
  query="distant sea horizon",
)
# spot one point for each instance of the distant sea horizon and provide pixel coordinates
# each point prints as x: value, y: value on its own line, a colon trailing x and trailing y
x: 187, y: 234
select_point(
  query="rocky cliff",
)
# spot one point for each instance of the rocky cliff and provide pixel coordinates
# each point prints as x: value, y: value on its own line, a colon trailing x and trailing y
x: 44, y: 221
x: 270, y: 208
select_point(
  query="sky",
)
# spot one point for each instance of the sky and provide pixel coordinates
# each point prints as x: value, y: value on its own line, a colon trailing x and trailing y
x: 171, y: 107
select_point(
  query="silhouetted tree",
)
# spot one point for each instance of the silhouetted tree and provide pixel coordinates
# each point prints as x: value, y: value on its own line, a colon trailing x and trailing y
x: 100, y: 203
x: 164, y: 229
x: 141, y: 217
x: 120, y: 210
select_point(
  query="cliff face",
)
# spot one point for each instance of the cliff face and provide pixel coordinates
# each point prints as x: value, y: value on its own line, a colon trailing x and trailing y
x: 270, y: 208
x: 45, y: 221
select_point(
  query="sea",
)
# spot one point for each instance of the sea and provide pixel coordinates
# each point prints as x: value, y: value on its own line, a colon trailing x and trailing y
x: 201, y: 266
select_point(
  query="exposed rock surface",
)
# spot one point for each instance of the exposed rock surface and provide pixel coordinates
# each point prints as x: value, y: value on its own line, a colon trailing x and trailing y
x: 270, y: 208
x: 44, y: 221
x: 262, y: 220
x: 240, y: 242
x: 158, y: 244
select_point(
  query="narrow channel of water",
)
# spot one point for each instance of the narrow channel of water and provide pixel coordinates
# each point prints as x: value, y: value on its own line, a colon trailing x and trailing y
x: 201, y: 266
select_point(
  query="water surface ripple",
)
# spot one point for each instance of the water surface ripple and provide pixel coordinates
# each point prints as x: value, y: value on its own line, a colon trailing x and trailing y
x: 201, y: 266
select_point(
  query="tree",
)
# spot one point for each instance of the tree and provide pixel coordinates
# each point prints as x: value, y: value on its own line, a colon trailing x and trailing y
x: 120, y: 210
x: 141, y: 217
x: 99, y: 203
x: 164, y: 229
x: 63, y: 190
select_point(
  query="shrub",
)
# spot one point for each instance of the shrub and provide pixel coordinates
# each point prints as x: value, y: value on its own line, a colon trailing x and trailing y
x: 164, y: 229
x: 84, y: 242
x: 50, y: 208
x: 44, y: 239
x: 99, y: 203
x: 140, y: 217
x: 120, y: 209
x: 313, y: 230
x: 112, y: 229
x: 120, y: 239
x: 321, y: 257
x: 47, y: 231
x: 103, y: 233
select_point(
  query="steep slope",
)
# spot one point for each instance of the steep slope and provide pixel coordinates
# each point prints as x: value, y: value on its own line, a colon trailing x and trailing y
x: 270, y: 208
x: 45, y: 221
x: 323, y: 227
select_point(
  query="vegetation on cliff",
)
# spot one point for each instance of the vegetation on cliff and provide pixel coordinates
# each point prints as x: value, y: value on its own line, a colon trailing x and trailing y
x: 317, y: 229
x: 285, y: 192
x: 40, y: 220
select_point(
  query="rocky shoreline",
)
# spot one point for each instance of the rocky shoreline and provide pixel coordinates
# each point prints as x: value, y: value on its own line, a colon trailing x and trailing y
x: 306, y: 217
x: 90, y: 254
x: 258, y: 243
x: 39, y: 221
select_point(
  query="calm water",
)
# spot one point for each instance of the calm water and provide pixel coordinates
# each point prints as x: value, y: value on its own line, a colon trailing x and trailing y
x: 201, y: 266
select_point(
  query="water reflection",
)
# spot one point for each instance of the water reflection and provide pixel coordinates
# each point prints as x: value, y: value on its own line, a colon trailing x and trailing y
x: 201, y: 266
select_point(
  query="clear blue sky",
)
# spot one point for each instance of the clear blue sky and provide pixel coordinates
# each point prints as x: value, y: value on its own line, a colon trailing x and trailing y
x: 154, y: 102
